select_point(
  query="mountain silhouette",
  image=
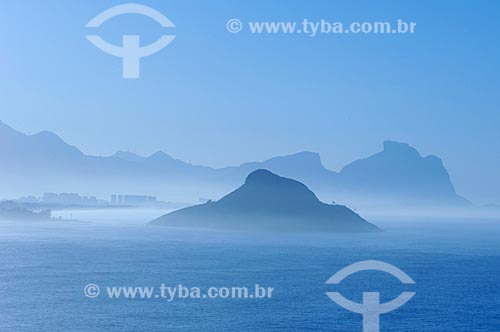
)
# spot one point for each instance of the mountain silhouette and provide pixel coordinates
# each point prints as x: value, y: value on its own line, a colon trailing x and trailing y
x: 45, y: 147
x: 267, y: 201
x: 128, y: 156
x: 399, y: 173
x: 396, y: 176
x: 304, y: 166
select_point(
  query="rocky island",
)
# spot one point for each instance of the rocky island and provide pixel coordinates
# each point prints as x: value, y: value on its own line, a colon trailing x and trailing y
x: 269, y: 202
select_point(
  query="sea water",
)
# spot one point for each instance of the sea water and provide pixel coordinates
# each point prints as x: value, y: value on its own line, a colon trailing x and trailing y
x: 45, y: 268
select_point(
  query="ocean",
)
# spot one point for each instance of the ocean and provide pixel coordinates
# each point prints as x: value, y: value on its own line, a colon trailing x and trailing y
x: 46, y: 267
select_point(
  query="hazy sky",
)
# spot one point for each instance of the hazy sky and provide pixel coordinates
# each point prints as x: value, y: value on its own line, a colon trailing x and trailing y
x: 216, y: 98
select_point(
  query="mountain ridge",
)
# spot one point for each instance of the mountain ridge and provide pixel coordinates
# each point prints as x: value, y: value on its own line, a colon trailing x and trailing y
x: 44, y: 161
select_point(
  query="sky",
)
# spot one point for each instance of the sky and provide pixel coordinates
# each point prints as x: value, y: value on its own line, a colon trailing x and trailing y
x: 217, y: 98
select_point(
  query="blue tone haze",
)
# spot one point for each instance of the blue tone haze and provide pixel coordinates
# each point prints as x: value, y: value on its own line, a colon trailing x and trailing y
x: 274, y: 144
x: 206, y: 96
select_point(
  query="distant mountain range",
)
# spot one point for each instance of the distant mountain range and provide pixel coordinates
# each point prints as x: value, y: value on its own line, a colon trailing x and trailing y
x: 396, y: 176
x: 269, y: 202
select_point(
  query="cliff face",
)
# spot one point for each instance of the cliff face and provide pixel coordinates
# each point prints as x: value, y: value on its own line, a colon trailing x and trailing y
x: 400, y: 172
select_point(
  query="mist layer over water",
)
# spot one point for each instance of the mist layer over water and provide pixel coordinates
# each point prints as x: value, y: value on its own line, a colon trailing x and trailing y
x: 45, y: 267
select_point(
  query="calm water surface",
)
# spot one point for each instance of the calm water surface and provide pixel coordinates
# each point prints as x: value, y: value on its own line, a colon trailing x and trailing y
x: 45, y: 267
